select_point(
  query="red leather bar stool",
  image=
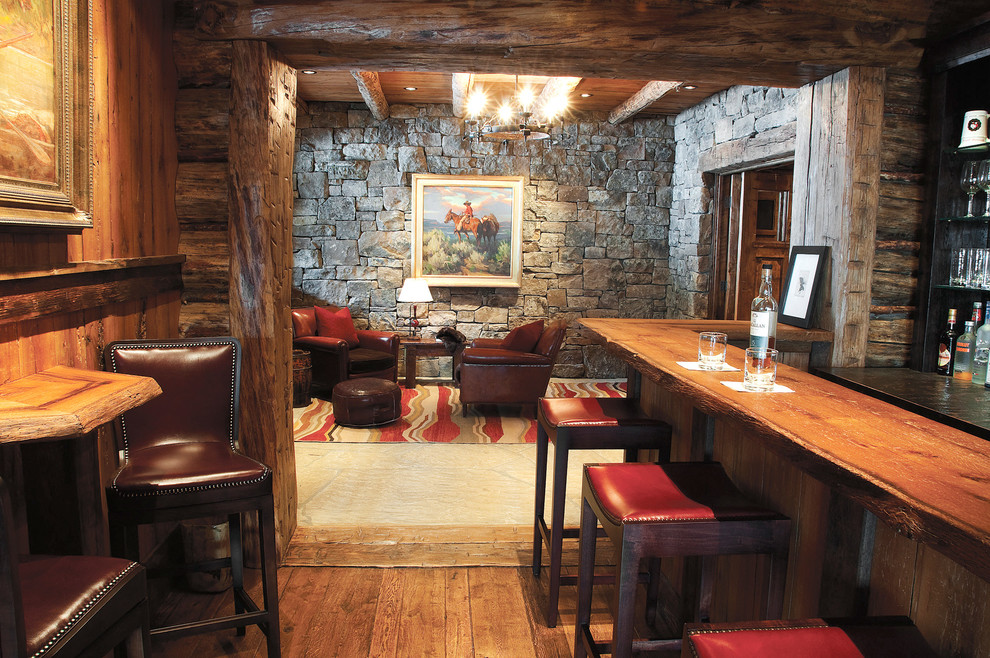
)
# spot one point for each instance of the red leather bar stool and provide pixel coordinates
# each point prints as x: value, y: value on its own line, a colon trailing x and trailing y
x: 666, y: 510
x: 582, y: 424
x: 874, y: 637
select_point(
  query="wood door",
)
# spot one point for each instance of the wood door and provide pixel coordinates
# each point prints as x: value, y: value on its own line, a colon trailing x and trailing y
x: 753, y: 224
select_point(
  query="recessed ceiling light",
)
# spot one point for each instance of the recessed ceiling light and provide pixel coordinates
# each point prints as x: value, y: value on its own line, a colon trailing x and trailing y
x: 690, y: 87
x: 586, y: 95
x: 411, y: 88
x: 309, y: 72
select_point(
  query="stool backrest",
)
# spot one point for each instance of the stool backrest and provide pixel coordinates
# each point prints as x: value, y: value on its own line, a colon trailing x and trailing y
x: 200, y: 382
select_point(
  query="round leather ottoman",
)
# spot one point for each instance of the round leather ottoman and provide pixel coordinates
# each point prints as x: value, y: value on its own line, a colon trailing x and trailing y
x: 366, y: 402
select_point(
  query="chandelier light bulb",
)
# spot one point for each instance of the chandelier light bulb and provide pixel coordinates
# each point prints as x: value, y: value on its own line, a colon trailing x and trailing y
x: 476, y: 103
x: 505, y: 113
x: 526, y: 98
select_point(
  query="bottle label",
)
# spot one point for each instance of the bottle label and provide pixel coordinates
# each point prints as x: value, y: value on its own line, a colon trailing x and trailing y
x: 944, y: 355
x: 761, y: 327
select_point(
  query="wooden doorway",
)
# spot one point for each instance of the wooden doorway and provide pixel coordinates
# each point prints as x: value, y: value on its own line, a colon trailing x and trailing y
x: 752, y: 227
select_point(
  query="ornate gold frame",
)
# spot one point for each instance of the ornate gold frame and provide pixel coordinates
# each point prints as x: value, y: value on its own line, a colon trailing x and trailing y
x: 65, y: 204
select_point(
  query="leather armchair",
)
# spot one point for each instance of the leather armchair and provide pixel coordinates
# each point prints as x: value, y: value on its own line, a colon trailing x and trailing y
x: 490, y: 374
x: 333, y: 361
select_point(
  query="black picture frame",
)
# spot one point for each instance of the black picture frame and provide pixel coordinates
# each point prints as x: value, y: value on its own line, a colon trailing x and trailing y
x: 804, y: 281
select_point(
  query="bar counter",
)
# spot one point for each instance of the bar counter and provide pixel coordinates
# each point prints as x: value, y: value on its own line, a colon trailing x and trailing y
x: 927, y: 482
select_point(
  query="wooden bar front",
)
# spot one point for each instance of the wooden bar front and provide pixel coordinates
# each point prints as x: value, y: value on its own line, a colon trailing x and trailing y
x: 822, y: 455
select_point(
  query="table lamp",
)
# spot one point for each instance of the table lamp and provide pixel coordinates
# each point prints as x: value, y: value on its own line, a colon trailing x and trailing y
x: 414, y: 291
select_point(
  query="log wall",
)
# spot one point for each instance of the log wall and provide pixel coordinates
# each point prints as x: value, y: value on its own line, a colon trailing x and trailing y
x: 64, y: 297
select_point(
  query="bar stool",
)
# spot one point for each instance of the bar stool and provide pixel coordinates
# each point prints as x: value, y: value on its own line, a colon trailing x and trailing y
x: 581, y: 424
x: 657, y: 511
x: 874, y: 637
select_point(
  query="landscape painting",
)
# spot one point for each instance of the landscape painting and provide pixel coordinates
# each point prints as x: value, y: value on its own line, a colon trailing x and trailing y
x: 467, y: 231
x: 45, y: 114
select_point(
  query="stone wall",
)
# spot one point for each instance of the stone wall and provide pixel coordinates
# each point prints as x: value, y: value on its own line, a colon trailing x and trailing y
x: 738, y: 114
x: 595, y: 222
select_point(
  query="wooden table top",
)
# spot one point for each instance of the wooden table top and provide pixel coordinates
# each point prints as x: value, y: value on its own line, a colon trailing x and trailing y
x: 961, y: 404
x: 63, y: 402
x: 928, y: 481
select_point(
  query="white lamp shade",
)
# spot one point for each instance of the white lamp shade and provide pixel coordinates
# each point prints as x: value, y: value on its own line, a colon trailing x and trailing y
x: 415, y: 291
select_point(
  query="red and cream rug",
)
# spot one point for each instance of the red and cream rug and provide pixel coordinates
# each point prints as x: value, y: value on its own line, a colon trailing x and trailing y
x: 432, y: 414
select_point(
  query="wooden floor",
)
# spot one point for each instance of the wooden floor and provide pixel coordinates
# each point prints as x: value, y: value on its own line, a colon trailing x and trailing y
x: 353, y: 611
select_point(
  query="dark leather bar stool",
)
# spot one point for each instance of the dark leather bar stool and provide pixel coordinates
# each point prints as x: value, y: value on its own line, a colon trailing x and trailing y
x: 873, y: 637
x: 182, y: 461
x: 73, y: 605
x: 581, y: 424
x: 666, y: 510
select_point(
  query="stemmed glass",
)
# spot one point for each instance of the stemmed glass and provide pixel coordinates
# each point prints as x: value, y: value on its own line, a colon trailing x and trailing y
x: 983, y: 181
x: 968, y: 181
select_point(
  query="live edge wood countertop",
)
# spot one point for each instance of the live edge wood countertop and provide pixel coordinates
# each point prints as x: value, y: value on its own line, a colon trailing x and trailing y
x: 928, y: 481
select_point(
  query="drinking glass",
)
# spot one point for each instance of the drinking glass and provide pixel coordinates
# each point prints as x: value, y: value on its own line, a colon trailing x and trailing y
x: 983, y: 181
x: 977, y: 272
x: 711, y: 350
x: 760, y: 369
x: 968, y: 181
x: 958, y: 269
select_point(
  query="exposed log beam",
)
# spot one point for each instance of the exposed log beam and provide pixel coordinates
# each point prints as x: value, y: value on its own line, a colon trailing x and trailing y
x: 782, y: 42
x: 552, y: 90
x: 371, y: 91
x: 460, y: 89
x: 651, y: 92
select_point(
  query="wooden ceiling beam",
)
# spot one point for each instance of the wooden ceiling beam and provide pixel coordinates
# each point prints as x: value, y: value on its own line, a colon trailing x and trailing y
x: 650, y: 93
x: 553, y: 89
x: 371, y: 91
x: 460, y: 90
x: 783, y: 42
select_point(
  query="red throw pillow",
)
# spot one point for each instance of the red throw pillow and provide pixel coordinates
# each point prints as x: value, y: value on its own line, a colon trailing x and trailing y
x: 336, y: 324
x: 524, y: 338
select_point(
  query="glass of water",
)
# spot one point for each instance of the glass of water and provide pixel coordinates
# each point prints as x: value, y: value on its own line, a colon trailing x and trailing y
x: 711, y: 350
x: 760, y: 369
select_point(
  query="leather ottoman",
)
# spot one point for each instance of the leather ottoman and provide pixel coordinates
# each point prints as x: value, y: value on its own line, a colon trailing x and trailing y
x: 366, y: 402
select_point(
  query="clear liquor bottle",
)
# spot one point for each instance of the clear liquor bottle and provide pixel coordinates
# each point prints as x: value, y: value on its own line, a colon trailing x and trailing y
x: 763, y: 313
x: 981, y: 354
x: 963, y: 367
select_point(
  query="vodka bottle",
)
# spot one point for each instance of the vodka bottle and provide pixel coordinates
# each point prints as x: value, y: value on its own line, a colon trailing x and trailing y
x: 963, y: 367
x: 947, y: 346
x: 763, y: 316
x: 981, y: 354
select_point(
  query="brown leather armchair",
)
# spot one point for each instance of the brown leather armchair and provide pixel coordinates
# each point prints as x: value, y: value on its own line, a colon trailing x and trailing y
x: 333, y: 361
x: 491, y: 374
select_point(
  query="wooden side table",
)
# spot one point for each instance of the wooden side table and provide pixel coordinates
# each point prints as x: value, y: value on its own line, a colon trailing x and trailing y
x: 416, y: 348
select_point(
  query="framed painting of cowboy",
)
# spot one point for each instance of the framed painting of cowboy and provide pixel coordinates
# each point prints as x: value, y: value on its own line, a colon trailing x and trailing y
x: 467, y: 230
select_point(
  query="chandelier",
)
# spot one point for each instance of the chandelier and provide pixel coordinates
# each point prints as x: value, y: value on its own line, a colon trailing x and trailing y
x: 522, y: 116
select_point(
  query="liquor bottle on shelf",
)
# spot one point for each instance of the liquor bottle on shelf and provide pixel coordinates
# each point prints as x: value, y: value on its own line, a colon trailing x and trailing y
x: 981, y: 354
x: 763, y: 315
x: 947, y: 346
x: 977, y: 317
x: 963, y: 365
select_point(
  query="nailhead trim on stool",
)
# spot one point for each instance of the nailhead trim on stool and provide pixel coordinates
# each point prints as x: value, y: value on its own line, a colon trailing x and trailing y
x: 666, y: 510
x: 581, y: 424
x: 874, y: 637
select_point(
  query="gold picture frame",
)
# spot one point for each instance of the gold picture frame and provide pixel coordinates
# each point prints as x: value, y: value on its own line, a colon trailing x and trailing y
x: 46, y: 105
x: 467, y: 230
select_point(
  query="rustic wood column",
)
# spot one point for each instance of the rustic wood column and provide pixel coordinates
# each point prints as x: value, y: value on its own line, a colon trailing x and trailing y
x: 262, y: 136
x: 836, y: 197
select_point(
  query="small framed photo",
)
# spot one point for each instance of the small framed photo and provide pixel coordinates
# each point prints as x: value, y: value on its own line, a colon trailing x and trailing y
x: 804, y: 280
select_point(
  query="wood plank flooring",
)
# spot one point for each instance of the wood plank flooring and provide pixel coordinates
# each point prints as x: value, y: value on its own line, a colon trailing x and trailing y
x: 391, y: 612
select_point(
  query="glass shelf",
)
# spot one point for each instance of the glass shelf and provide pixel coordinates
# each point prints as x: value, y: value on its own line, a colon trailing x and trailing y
x: 984, y: 291
x: 969, y: 151
x: 975, y: 219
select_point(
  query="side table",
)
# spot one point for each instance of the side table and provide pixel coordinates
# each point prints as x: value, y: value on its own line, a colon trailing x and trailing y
x: 417, y: 347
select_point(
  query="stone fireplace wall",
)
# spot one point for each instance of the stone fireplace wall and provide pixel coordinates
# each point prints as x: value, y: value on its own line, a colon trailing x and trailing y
x: 595, y: 222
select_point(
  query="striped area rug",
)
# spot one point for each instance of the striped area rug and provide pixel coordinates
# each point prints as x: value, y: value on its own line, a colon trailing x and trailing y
x: 433, y: 414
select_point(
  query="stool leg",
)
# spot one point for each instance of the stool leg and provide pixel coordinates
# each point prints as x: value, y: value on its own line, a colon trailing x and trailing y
x: 236, y: 563
x: 269, y: 577
x: 542, y: 441
x: 586, y: 576
x: 626, y: 581
x: 707, y: 594
x: 560, y: 453
x: 778, y: 578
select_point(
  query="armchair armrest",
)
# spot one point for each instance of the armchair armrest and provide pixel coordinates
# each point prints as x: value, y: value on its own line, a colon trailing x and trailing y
x: 324, y: 343
x: 382, y: 341
x: 487, y: 342
x: 484, y: 356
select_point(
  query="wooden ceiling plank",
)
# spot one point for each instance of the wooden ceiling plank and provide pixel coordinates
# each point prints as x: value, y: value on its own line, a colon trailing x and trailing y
x: 460, y: 90
x: 371, y: 91
x: 553, y: 89
x: 651, y: 92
